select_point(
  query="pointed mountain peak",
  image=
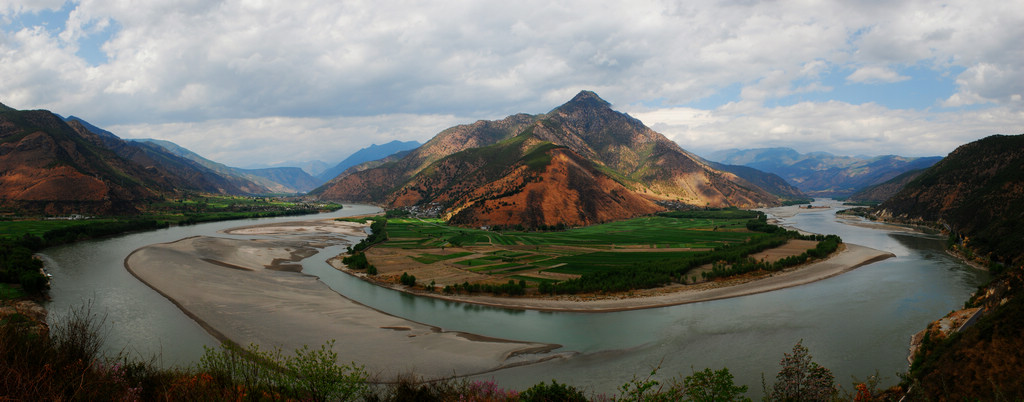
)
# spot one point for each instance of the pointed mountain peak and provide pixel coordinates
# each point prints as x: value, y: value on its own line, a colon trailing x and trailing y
x: 586, y: 100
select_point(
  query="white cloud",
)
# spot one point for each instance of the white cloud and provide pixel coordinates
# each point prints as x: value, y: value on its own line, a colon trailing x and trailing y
x: 875, y: 75
x: 9, y: 7
x: 837, y: 127
x: 988, y: 83
x: 269, y: 140
x: 187, y: 63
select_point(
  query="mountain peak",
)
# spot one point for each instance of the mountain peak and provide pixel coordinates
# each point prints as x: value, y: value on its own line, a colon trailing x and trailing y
x: 586, y: 99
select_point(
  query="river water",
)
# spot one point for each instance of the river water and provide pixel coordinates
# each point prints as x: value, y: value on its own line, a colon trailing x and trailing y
x: 856, y: 324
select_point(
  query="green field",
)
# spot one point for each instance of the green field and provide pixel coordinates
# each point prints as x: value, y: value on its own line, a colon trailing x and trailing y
x: 39, y: 227
x: 653, y: 232
x: 578, y: 251
x: 427, y: 258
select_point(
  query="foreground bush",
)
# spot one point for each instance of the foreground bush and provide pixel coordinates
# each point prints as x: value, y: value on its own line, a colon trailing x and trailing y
x: 66, y: 364
x: 311, y: 374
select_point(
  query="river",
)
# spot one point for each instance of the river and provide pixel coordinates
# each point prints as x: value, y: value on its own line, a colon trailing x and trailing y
x: 856, y: 324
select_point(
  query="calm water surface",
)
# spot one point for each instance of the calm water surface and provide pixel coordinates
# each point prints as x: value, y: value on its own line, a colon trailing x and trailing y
x: 856, y: 324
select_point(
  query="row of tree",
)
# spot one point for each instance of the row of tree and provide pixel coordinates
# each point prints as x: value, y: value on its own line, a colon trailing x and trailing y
x: 378, y: 233
x: 512, y: 288
x: 722, y: 269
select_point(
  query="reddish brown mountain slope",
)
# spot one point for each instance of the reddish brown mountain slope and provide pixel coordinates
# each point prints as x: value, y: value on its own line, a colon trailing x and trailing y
x: 568, y: 191
x: 46, y: 166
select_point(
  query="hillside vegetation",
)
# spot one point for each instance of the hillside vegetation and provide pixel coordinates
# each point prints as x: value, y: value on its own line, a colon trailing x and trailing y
x: 976, y: 194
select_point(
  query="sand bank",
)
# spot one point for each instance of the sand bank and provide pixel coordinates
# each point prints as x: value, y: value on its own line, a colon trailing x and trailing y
x: 850, y: 257
x: 238, y: 291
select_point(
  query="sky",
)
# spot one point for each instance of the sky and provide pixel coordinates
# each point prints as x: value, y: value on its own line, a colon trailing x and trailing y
x: 260, y: 82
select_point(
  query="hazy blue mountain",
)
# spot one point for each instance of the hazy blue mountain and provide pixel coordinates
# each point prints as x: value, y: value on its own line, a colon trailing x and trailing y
x: 770, y: 182
x: 298, y: 180
x: 370, y: 153
x: 881, y: 192
x: 822, y: 174
x: 313, y: 167
x: 275, y: 180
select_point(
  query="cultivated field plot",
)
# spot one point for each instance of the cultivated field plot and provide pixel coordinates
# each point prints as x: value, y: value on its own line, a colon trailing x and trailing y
x: 429, y: 245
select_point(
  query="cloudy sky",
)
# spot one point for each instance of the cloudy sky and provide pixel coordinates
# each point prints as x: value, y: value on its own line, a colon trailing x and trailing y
x: 250, y: 81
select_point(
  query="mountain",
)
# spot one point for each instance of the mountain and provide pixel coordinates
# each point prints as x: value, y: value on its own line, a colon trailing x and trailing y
x: 821, y: 174
x: 770, y: 182
x: 46, y: 166
x: 977, y: 191
x: 881, y: 192
x: 370, y: 153
x: 314, y: 167
x: 264, y: 181
x: 284, y: 179
x: 179, y: 172
x: 579, y: 164
x: 977, y: 194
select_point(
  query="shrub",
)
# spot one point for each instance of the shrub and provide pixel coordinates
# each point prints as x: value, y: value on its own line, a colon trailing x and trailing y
x: 713, y: 386
x: 312, y: 374
x: 801, y: 379
x: 555, y: 392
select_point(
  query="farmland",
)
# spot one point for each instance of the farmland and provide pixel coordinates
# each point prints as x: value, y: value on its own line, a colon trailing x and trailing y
x: 455, y: 258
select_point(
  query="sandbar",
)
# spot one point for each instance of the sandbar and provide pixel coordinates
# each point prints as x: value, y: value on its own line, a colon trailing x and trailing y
x: 244, y: 291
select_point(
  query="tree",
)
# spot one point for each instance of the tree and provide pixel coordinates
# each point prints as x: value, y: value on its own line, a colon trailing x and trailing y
x: 713, y: 386
x: 407, y: 280
x: 543, y: 392
x: 801, y: 379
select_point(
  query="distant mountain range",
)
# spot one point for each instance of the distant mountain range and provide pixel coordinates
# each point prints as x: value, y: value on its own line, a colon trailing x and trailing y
x: 881, y: 192
x: 371, y: 153
x: 821, y: 174
x: 579, y: 164
x: 269, y: 180
x: 313, y: 167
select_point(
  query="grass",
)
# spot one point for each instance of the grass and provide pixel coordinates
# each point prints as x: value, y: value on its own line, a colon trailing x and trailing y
x: 533, y: 279
x: 499, y: 267
x: 656, y: 231
x: 8, y: 292
x: 38, y: 227
x: 427, y: 258
x: 600, y: 261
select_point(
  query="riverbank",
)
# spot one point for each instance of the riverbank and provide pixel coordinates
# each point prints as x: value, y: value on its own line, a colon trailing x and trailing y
x: 848, y: 258
x: 242, y: 290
